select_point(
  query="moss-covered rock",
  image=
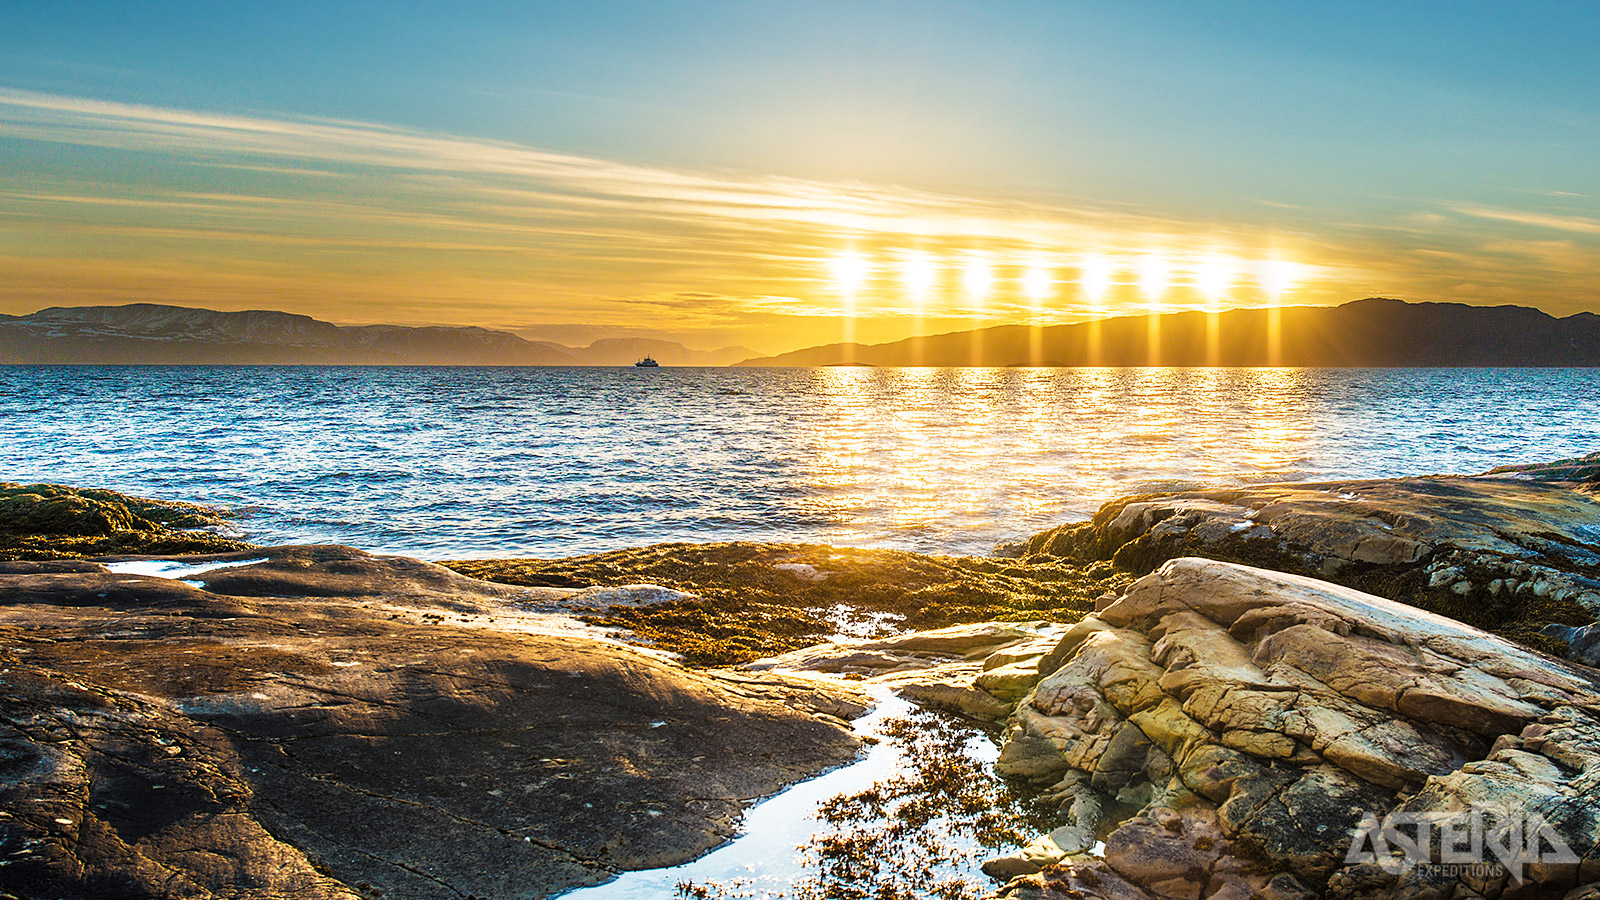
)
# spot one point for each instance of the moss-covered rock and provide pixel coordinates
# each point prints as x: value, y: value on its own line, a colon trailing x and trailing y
x: 50, y: 521
x: 753, y: 600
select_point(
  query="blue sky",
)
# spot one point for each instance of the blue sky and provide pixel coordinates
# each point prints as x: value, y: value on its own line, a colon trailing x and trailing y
x: 1423, y: 150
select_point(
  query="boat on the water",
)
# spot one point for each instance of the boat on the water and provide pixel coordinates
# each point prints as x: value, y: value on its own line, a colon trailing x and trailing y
x: 647, y: 363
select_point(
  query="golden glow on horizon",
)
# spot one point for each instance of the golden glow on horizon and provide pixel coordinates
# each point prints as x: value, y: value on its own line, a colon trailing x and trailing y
x: 1038, y: 283
x: 359, y: 222
x: 1153, y: 279
x: 1214, y: 278
x: 850, y: 273
x: 1278, y: 277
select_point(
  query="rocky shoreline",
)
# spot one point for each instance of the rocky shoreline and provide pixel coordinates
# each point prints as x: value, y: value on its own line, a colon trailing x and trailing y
x: 320, y: 722
x: 1513, y: 552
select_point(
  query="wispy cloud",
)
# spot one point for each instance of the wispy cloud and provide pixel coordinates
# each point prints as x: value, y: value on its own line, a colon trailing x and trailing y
x: 484, y: 167
x: 436, y: 227
x: 1578, y: 224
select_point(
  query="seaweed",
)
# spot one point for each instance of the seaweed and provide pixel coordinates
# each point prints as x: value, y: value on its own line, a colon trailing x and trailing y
x: 920, y: 833
x: 758, y: 599
x: 51, y: 521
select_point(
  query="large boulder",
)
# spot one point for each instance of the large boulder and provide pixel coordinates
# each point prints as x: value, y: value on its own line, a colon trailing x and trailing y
x: 1278, y: 717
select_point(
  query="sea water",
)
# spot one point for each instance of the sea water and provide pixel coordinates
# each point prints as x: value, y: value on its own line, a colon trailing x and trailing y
x: 462, y: 462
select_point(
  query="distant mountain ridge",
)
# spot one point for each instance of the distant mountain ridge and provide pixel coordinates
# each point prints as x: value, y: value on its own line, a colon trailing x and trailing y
x: 1373, y: 332
x: 155, y: 334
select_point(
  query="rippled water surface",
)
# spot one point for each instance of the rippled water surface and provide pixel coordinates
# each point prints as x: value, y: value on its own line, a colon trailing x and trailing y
x: 451, y: 462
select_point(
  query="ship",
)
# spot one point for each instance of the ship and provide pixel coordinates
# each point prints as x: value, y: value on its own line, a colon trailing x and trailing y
x: 647, y: 363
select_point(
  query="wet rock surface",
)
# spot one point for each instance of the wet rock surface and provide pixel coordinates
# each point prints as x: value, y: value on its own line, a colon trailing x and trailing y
x: 1512, y: 553
x: 328, y: 723
x: 1226, y: 730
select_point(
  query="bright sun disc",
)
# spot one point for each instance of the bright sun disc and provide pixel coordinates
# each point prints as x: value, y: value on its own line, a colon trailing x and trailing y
x: 1096, y: 278
x: 1278, y: 277
x: 1214, y: 277
x: 919, y: 273
x: 1036, y: 282
x: 1153, y: 277
x: 849, y: 272
x: 977, y: 276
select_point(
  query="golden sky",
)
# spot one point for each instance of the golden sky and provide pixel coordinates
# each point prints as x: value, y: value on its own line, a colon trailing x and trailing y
x: 353, y: 220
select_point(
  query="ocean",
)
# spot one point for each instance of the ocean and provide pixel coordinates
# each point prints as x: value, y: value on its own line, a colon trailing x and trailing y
x: 445, y: 463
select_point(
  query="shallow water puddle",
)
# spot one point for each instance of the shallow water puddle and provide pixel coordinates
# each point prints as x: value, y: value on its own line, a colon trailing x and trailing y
x: 181, y: 571
x: 920, y: 809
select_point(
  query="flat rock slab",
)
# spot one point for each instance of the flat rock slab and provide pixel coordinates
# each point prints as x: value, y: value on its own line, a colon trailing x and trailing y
x: 978, y: 670
x: 328, y: 723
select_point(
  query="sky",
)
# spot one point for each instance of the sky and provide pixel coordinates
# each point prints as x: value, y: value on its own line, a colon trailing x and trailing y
x: 780, y: 174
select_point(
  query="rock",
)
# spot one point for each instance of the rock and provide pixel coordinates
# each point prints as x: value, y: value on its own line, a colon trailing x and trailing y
x: 1507, y: 554
x: 1030, y: 652
x: 917, y: 649
x: 957, y: 698
x: 802, y: 571
x: 1580, y: 471
x: 1005, y: 868
x: 1030, y: 756
x: 1583, y: 644
x: 332, y: 724
x: 953, y: 669
x: 602, y: 598
x: 1010, y: 682
x: 1170, y: 853
x: 1216, y: 707
x: 1069, y: 644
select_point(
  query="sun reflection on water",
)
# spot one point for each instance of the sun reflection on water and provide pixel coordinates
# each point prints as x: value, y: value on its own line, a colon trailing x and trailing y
x: 981, y: 446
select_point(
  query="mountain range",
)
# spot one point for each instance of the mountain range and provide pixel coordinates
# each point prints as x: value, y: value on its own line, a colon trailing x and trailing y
x: 147, y: 333
x: 1371, y: 332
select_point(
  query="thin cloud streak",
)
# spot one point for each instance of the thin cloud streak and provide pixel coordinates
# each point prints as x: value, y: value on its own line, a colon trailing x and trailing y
x: 859, y: 208
x: 508, y: 234
x: 1578, y: 224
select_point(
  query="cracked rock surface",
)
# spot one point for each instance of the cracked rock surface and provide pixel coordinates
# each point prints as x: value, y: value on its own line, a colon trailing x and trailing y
x: 326, y: 723
x: 1224, y: 730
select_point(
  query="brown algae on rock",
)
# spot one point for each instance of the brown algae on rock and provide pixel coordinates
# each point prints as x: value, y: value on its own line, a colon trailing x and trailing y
x: 50, y: 521
x: 757, y: 599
